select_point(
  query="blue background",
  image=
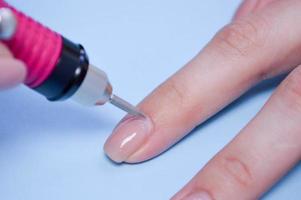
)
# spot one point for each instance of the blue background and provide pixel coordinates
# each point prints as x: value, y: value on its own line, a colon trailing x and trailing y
x: 54, y: 150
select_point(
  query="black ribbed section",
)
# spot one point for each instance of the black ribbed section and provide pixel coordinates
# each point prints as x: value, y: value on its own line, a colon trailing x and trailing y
x: 68, y: 74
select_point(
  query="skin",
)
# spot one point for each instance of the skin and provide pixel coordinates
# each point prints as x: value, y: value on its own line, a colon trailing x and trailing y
x: 12, y: 71
x: 262, y: 41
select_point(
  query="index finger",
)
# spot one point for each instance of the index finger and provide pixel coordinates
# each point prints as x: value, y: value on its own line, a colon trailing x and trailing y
x: 248, y: 50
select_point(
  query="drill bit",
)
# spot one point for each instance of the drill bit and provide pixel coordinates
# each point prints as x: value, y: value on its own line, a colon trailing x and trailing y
x: 126, y: 106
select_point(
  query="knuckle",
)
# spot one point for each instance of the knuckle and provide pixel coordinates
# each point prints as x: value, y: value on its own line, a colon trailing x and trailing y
x: 173, y: 91
x: 242, y: 36
x: 292, y: 89
x: 176, y: 91
x: 236, y: 171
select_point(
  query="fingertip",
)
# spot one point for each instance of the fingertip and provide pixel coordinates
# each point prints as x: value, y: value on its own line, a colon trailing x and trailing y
x: 21, y: 70
x: 13, y: 72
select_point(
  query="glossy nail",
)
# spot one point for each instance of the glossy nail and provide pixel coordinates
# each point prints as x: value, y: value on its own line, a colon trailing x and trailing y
x: 127, y: 138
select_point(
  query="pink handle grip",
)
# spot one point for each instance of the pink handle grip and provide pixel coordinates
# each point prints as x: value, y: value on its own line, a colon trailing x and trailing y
x: 37, y: 46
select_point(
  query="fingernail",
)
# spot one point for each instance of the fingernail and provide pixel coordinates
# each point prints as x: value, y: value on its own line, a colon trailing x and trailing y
x: 127, y: 138
x: 198, y: 196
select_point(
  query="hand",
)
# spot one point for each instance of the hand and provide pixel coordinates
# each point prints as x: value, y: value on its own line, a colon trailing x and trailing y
x: 12, y: 71
x: 263, y: 40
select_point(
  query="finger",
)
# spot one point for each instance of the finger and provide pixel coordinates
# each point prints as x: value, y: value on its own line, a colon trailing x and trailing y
x: 4, y: 51
x: 243, y: 53
x: 263, y: 152
x: 250, y: 6
x: 12, y: 72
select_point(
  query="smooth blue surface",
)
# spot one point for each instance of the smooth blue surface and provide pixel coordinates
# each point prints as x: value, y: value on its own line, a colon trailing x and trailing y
x: 54, y: 150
